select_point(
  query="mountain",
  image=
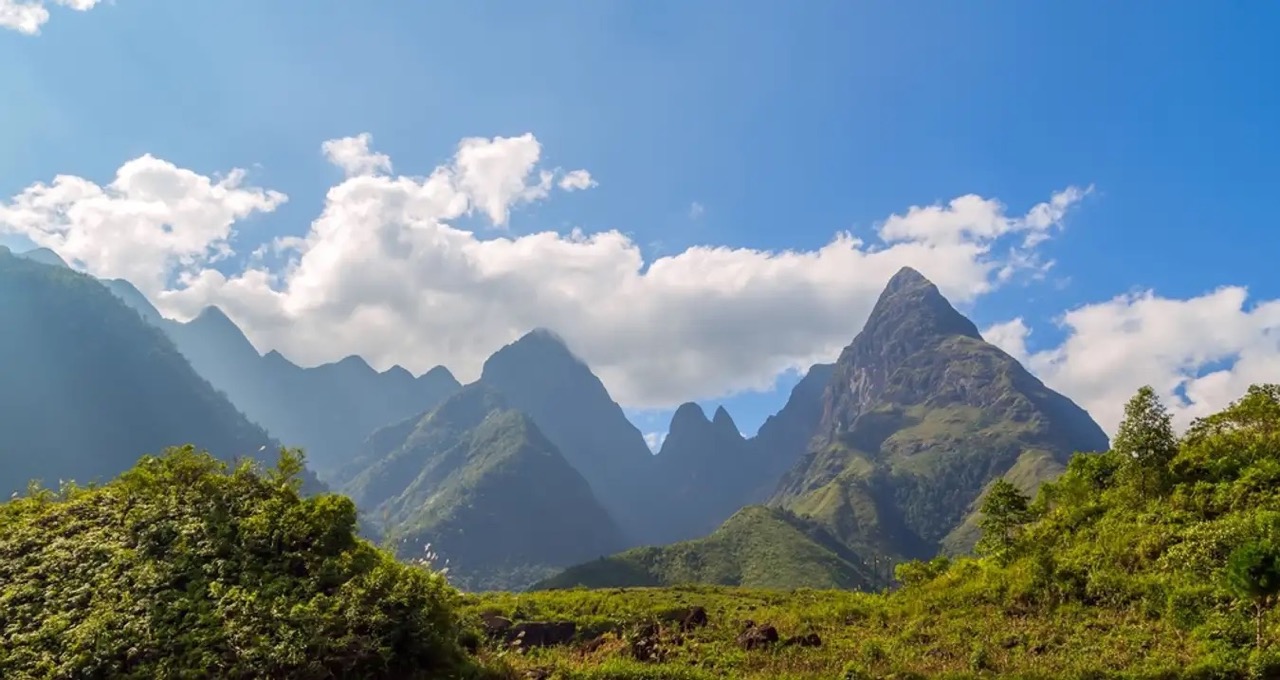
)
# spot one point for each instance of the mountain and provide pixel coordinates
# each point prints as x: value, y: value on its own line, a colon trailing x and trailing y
x: 758, y: 547
x: 784, y: 438
x: 87, y: 387
x: 326, y: 410
x: 539, y: 376
x: 480, y: 483
x: 705, y: 472
x: 920, y: 415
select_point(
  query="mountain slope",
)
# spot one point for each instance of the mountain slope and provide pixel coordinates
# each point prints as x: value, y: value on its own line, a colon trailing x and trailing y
x: 327, y: 410
x: 920, y: 415
x: 479, y: 482
x: 87, y: 387
x: 784, y: 437
x: 758, y: 547
x: 539, y: 376
x: 706, y: 471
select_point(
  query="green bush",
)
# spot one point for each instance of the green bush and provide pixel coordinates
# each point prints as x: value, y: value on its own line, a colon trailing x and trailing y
x: 185, y: 568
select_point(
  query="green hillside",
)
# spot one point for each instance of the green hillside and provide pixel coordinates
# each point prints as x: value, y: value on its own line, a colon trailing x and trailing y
x: 1156, y: 560
x: 479, y: 482
x: 757, y: 547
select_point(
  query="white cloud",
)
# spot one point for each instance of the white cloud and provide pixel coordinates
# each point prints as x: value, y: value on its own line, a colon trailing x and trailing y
x: 352, y: 154
x: 152, y: 220
x: 576, y: 180
x: 1199, y: 354
x: 654, y: 440
x: 696, y: 210
x: 384, y: 272
x: 28, y: 16
x: 970, y: 216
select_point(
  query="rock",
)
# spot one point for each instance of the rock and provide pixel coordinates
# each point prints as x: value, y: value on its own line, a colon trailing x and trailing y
x: 541, y: 633
x: 810, y: 640
x: 493, y: 625
x: 687, y: 618
x: 756, y: 637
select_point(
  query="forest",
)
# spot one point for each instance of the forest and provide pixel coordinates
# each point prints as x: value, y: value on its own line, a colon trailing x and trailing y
x: 1159, y: 558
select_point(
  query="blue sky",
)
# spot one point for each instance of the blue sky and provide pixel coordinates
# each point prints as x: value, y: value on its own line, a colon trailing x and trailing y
x: 787, y: 122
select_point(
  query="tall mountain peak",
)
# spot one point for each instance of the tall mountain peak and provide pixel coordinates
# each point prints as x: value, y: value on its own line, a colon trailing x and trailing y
x: 911, y: 303
x: 724, y: 422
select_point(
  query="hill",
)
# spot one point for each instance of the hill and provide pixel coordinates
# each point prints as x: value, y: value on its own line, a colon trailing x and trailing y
x: 86, y: 386
x: 1158, y: 559
x: 920, y: 415
x: 757, y: 547
x: 480, y: 483
x: 183, y: 567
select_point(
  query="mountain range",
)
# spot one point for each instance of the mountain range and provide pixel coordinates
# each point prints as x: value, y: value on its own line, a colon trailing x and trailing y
x: 880, y: 456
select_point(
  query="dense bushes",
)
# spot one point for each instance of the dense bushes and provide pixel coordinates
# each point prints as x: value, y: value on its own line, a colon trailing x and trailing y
x: 185, y: 567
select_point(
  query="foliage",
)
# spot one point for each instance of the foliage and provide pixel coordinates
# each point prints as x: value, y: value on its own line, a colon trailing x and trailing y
x: 184, y: 567
x: 1253, y: 574
x: 1004, y: 511
x: 1146, y: 436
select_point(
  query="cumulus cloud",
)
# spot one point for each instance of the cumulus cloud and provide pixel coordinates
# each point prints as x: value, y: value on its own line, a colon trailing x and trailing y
x: 385, y: 271
x: 1199, y: 354
x: 28, y: 16
x: 577, y: 180
x: 352, y: 154
x: 152, y: 220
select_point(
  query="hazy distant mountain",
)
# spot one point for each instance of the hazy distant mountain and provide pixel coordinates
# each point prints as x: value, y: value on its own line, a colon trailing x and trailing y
x: 327, y: 410
x: 479, y: 482
x: 539, y: 376
x: 706, y: 470
x: 87, y: 387
x: 920, y: 415
x: 757, y: 547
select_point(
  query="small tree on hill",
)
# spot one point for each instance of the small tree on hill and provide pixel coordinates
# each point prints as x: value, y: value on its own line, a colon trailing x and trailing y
x: 1253, y: 574
x: 1004, y: 510
x: 1145, y: 438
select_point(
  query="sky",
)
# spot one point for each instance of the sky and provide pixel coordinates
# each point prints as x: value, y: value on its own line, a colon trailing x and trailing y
x: 702, y: 198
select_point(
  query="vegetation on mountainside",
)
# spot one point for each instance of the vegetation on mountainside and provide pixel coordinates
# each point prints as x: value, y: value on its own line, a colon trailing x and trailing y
x: 480, y: 483
x: 184, y: 567
x: 758, y: 547
x: 86, y: 386
x: 920, y: 416
x: 1155, y: 559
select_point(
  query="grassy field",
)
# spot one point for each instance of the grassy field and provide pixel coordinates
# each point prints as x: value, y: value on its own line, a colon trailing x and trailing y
x: 862, y: 636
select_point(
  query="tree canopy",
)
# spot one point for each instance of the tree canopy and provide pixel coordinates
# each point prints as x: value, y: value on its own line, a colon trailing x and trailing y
x: 185, y: 566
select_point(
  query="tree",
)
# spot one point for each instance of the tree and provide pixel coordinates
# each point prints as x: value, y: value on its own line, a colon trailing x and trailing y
x: 1145, y: 438
x: 1253, y: 573
x: 1004, y: 510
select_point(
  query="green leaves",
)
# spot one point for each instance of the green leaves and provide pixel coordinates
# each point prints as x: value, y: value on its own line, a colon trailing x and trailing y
x: 186, y: 567
x: 1004, y: 511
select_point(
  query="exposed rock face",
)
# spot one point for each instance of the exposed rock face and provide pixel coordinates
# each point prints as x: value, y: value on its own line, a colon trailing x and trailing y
x: 919, y: 416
